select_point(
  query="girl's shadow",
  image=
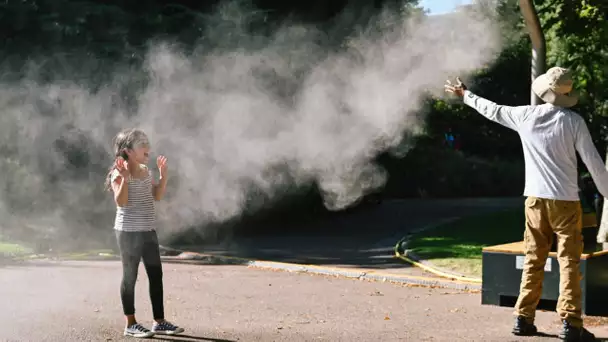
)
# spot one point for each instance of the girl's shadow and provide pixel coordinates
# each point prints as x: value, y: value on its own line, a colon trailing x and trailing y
x: 185, y: 338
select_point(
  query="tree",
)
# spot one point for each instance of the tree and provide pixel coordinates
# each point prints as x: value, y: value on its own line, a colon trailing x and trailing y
x: 577, y: 33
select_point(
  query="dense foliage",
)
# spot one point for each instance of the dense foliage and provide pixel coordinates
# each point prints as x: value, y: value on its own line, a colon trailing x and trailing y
x: 89, y: 37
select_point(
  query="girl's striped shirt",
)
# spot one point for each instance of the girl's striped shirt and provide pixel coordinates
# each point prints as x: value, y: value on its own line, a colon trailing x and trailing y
x: 140, y: 214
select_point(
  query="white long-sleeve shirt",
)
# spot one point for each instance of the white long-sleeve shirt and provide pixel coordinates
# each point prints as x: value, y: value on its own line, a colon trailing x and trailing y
x: 550, y: 136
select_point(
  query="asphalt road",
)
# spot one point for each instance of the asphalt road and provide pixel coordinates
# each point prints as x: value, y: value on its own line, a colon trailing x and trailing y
x: 79, y: 301
x: 364, y: 238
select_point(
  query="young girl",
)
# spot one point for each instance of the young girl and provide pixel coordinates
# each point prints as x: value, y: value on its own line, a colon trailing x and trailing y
x: 134, y: 193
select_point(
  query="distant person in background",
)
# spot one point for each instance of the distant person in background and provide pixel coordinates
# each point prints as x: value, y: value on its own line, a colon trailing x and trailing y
x: 551, y: 135
x: 449, y: 138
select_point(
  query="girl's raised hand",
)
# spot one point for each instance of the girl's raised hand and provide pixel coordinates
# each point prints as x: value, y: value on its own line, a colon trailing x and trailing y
x: 161, y: 162
x: 122, y: 167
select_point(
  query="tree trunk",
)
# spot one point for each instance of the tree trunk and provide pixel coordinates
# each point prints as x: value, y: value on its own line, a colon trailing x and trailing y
x: 602, y: 234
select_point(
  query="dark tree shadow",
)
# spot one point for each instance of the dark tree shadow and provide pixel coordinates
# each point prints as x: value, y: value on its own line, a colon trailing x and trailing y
x: 362, y: 238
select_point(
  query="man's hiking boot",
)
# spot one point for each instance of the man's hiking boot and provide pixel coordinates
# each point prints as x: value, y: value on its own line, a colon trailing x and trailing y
x: 523, y: 327
x: 573, y: 334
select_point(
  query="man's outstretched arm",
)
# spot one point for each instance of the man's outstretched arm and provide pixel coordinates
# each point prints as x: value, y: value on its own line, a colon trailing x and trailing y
x: 510, y: 117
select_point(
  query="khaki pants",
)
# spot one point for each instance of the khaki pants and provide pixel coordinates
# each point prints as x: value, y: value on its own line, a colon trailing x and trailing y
x: 543, y: 218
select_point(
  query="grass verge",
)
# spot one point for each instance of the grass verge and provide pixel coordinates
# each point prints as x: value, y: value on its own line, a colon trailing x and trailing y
x: 16, y: 250
x: 457, y: 245
x: 12, y: 249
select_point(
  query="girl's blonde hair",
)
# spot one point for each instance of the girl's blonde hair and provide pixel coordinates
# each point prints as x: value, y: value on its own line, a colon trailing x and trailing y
x: 125, y: 140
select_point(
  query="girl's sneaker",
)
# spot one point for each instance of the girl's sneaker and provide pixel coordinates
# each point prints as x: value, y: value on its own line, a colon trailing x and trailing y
x: 137, y: 330
x: 165, y: 327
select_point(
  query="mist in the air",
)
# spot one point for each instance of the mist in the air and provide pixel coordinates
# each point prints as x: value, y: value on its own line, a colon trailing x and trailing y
x: 243, y: 119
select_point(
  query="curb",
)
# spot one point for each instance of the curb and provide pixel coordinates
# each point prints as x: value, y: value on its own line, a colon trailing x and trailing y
x: 192, y: 257
x: 408, y: 256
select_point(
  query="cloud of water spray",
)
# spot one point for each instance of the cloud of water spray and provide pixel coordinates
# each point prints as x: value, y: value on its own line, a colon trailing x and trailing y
x: 252, y: 115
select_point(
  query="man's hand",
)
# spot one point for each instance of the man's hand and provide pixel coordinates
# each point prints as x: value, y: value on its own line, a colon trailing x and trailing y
x: 457, y: 89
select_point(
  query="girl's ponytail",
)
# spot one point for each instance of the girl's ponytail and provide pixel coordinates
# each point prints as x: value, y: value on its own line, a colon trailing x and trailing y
x: 107, y: 186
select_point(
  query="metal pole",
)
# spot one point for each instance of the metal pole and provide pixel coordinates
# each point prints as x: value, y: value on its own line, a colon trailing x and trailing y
x: 538, y: 43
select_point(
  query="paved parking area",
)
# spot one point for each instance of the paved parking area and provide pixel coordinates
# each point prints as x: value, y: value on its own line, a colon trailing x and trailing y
x: 79, y: 301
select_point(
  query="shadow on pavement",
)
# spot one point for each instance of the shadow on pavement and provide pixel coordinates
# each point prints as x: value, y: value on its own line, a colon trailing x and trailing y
x: 364, y: 238
x: 372, y: 259
x: 542, y: 334
x: 189, y: 338
x: 206, y: 260
x: 87, y: 263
